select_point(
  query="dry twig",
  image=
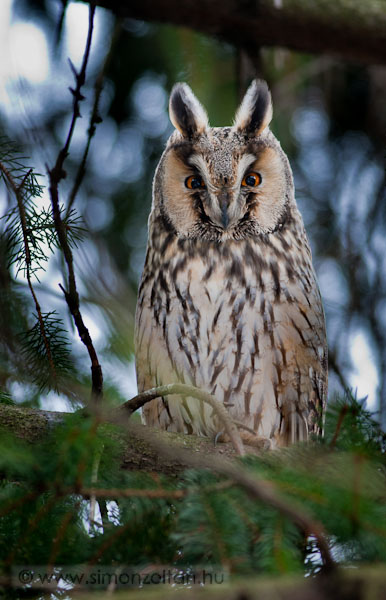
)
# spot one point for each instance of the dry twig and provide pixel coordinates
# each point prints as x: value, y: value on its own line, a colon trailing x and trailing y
x: 188, y: 390
x: 55, y: 175
x: 95, y: 117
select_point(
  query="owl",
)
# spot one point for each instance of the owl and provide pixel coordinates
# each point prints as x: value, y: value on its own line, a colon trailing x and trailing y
x: 228, y: 299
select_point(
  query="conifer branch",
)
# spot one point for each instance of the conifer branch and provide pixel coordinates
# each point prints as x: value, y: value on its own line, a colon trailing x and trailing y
x: 263, y: 491
x: 55, y: 175
x: 189, y: 390
x: 60, y: 535
x: 32, y: 525
x: 17, y: 190
x: 342, y: 413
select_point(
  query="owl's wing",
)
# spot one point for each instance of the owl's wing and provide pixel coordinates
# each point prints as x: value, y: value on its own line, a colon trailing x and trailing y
x: 302, y: 336
x: 154, y: 367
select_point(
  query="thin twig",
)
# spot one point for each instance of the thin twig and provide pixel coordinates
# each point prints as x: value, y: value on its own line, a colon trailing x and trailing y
x: 59, y: 27
x: 17, y: 189
x: 245, y: 427
x: 121, y: 530
x: 95, y: 117
x: 55, y: 175
x: 188, y: 390
x: 12, y: 504
x: 130, y: 493
x: 80, y: 78
x: 333, y: 364
x: 342, y: 413
x: 20, y: 187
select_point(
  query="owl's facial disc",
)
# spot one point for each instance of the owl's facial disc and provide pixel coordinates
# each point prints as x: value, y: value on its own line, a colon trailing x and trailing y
x: 224, y: 190
x: 227, y: 182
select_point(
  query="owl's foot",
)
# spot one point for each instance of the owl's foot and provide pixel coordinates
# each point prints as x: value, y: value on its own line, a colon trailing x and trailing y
x: 249, y: 439
x: 252, y: 439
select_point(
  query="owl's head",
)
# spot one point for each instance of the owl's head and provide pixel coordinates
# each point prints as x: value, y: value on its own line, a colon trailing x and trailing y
x: 218, y: 183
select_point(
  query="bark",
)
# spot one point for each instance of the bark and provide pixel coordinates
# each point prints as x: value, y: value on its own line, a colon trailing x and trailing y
x: 141, y: 451
x: 347, y: 29
x: 348, y: 584
x: 147, y: 449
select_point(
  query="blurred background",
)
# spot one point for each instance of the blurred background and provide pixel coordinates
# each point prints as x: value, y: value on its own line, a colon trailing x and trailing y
x: 328, y: 115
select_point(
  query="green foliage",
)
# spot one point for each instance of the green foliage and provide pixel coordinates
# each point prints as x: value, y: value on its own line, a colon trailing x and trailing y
x: 50, y: 333
x: 27, y: 224
x: 40, y: 231
x: 22, y: 175
x: 361, y: 429
x: 45, y: 503
x: 28, y: 241
x: 6, y: 398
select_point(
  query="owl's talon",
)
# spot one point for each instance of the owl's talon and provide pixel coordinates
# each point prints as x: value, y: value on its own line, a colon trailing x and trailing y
x: 217, y: 437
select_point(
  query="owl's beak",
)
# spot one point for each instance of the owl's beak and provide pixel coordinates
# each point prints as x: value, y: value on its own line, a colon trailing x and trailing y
x: 224, y: 214
x: 224, y: 203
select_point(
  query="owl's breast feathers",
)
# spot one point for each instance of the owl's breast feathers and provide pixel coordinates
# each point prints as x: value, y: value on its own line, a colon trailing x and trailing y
x: 240, y: 319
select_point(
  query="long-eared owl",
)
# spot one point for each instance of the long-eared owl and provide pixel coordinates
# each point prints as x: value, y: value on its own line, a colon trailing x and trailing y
x: 228, y: 300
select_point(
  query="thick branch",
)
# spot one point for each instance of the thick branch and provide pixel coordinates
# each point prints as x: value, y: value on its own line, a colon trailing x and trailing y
x: 33, y: 425
x: 159, y: 451
x: 347, y: 29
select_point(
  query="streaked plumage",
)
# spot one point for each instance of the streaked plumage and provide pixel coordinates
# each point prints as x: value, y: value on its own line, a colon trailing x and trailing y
x: 228, y: 299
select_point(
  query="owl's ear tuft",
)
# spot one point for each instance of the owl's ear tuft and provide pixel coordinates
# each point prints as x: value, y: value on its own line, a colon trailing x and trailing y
x: 186, y: 113
x: 255, y: 111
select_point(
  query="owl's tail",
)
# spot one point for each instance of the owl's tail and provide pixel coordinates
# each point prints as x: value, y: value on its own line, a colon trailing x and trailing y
x: 294, y: 428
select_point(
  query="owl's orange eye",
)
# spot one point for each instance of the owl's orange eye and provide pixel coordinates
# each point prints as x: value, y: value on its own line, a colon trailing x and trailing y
x: 194, y: 182
x: 251, y: 179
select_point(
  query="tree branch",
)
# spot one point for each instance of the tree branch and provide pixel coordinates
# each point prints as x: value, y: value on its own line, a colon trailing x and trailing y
x: 257, y: 488
x: 17, y: 190
x: 189, y: 390
x: 55, y: 175
x: 95, y: 117
x: 347, y: 29
x: 140, y: 454
x: 80, y: 78
x: 152, y: 450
